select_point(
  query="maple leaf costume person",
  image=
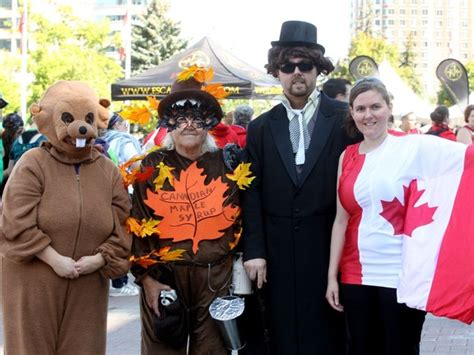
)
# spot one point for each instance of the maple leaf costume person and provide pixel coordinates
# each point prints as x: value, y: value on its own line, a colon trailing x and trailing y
x: 187, y: 210
x: 63, y: 230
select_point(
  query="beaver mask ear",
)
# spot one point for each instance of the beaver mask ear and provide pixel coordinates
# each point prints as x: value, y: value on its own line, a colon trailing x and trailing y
x: 35, y: 109
x: 103, y: 120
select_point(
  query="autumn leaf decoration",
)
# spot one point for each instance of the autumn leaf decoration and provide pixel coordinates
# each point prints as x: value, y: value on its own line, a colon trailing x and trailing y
x: 165, y: 174
x: 204, y: 76
x: 242, y: 175
x: 140, y: 114
x: 161, y: 256
x: 143, y: 228
x: 193, y: 210
x: 130, y: 176
x: 406, y: 218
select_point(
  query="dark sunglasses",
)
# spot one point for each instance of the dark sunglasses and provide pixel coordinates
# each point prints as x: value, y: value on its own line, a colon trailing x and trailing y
x: 289, y: 67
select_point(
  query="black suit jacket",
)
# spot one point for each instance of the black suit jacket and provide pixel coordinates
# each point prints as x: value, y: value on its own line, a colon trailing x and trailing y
x: 288, y: 220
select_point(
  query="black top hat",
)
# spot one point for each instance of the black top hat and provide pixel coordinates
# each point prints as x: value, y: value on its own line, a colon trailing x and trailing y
x: 298, y: 33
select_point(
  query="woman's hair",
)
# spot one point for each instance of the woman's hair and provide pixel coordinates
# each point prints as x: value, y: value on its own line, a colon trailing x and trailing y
x: 209, y: 144
x: 278, y: 55
x: 114, y: 120
x: 361, y: 86
x: 440, y: 114
x: 467, y: 112
x: 13, y: 125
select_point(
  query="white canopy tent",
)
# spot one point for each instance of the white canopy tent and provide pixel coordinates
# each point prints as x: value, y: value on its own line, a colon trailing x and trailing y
x: 405, y: 100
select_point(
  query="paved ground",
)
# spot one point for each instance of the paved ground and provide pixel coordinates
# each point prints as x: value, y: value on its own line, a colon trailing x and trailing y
x: 440, y: 336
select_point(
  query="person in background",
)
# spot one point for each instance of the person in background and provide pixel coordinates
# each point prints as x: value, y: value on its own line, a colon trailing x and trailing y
x: 223, y: 135
x: 28, y: 139
x: 466, y: 134
x: 337, y: 88
x: 392, y: 129
x: 228, y: 118
x: 12, y: 128
x: 408, y: 124
x: 242, y: 116
x: 440, y: 119
x: 290, y: 206
x: 124, y: 146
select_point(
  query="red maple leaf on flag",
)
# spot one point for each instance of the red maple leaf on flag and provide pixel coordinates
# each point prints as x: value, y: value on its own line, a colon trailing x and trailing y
x: 406, y: 218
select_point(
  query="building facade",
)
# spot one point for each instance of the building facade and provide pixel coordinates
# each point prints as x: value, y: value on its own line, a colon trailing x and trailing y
x: 438, y: 29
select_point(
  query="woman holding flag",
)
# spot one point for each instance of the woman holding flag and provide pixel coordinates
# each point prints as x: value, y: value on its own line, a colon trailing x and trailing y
x: 392, y: 239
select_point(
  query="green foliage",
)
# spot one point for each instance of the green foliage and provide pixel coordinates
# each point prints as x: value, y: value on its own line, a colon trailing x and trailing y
x: 155, y: 38
x: 10, y: 66
x: 71, y: 49
x: 443, y: 96
x: 379, y: 49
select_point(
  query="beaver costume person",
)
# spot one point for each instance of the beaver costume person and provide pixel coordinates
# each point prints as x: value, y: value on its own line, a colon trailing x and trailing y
x: 63, y: 231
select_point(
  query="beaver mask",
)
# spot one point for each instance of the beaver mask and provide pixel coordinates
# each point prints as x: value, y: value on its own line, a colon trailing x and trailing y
x: 69, y: 114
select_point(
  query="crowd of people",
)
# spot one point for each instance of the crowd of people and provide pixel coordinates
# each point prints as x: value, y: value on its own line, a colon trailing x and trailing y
x: 301, y: 191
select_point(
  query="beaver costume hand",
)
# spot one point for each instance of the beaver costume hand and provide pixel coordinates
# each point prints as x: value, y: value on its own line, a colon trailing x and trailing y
x: 66, y: 198
x: 69, y: 114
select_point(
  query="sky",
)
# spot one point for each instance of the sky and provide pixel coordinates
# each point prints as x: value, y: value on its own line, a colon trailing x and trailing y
x: 246, y: 27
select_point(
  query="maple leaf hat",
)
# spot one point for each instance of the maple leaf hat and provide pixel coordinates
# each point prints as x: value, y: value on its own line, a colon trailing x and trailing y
x: 191, y: 95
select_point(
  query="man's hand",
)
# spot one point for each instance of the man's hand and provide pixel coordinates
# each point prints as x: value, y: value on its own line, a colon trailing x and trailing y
x: 257, y: 270
x: 152, y: 290
x: 90, y: 263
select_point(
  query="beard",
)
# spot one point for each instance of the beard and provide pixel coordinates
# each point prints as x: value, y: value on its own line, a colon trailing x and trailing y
x: 299, y: 88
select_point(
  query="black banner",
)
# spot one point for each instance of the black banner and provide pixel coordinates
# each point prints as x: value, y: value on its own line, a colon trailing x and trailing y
x: 363, y: 66
x: 453, y: 76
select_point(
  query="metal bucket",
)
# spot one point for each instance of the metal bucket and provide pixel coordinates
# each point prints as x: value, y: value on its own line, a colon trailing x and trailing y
x: 226, y: 311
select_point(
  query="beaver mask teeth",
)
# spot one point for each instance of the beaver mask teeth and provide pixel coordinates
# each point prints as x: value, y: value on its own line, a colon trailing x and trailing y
x: 80, y: 142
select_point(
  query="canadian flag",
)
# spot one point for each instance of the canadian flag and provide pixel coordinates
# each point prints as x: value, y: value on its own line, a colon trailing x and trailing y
x: 438, y: 243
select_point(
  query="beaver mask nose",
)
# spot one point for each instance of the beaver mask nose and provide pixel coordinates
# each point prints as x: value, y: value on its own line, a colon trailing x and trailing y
x: 82, y: 130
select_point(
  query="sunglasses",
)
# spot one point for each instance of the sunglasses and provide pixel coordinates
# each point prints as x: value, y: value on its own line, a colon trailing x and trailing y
x: 289, y: 67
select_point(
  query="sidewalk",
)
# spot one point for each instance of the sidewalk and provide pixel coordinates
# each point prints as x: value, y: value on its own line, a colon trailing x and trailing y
x: 440, y: 336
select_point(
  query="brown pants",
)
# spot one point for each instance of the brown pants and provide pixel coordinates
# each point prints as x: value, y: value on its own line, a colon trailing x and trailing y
x: 192, y: 284
x: 50, y: 315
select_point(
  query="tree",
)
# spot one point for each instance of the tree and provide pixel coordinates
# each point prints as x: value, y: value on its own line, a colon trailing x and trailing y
x: 9, y: 87
x: 408, y: 66
x: 71, y: 49
x: 155, y: 38
x: 443, y: 96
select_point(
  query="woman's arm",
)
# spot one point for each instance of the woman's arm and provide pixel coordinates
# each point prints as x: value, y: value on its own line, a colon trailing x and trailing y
x: 337, y: 245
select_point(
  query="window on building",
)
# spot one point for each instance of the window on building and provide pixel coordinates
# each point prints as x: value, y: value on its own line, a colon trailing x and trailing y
x: 424, y: 22
x: 6, y: 4
x: 424, y: 12
x: 413, y: 1
x: 5, y: 23
x: 377, y: 22
x: 439, y: 12
x: 440, y: 23
x: 402, y: 11
x: 391, y: 22
x: 465, y: 55
x: 5, y: 44
x: 425, y: 44
x: 402, y: 22
x: 391, y: 11
x: 413, y: 12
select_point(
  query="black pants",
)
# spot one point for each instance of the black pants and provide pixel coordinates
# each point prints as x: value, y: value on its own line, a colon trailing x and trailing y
x: 378, y: 324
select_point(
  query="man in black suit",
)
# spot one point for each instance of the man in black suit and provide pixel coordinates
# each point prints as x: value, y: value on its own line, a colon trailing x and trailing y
x: 290, y: 207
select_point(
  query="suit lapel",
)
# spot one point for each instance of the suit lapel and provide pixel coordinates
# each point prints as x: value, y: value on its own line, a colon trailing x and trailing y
x: 321, y: 132
x: 279, y: 129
